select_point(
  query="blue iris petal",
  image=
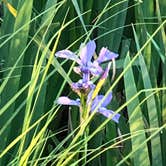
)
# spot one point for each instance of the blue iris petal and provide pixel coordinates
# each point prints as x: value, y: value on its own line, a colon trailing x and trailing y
x: 102, y: 110
x: 87, y: 52
x: 106, y: 55
x: 86, y: 66
x: 63, y: 100
x: 109, y: 113
x: 68, y: 55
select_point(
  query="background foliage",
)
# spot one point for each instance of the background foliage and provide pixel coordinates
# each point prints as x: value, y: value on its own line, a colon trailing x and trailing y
x: 33, y: 129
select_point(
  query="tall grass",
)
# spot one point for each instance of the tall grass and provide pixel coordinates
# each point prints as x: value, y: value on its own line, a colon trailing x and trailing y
x: 34, y: 130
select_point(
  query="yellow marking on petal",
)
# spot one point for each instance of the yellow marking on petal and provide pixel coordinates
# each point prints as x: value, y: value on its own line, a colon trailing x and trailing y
x: 95, y: 56
x: 12, y: 10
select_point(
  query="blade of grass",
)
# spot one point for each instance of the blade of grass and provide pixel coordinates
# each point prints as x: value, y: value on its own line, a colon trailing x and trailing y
x: 135, y: 118
x: 152, y: 109
x: 77, y: 8
x: 112, y: 40
x: 34, y: 79
x: 160, y: 5
x: 17, y: 45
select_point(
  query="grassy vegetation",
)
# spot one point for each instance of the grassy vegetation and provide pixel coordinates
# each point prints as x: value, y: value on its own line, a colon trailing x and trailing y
x: 34, y: 130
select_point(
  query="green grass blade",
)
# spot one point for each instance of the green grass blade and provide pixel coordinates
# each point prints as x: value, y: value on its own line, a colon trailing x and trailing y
x: 17, y: 45
x: 77, y: 8
x: 152, y: 110
x: 136, y: 122
x: 112, y: 40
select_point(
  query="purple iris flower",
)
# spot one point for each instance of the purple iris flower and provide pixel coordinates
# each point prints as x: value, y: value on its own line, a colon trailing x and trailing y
x: 86, y: 66
x: 102, y: 109
x: 86, y: 87
x: 89, y: 68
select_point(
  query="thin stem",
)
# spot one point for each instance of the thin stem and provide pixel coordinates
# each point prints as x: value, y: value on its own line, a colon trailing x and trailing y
x: 83, y: 115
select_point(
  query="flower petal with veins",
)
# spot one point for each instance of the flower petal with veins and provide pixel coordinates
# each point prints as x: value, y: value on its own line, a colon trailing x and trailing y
x: 106, y: 55
x: 67, y: 54
x: 67, y: 101
x: 108, y: 113
x: 87, y: 52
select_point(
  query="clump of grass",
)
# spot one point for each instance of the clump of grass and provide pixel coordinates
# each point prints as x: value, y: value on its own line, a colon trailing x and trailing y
x: 36, y: 131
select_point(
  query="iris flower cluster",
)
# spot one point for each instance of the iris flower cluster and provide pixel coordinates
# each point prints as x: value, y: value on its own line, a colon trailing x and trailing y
x: 85, y: 88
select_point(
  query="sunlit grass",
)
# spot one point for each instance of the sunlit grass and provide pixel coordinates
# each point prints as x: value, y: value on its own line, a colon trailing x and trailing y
x: 34, y: 130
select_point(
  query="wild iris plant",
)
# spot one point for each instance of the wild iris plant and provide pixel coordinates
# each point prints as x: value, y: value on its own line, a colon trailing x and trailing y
x: 88, y: 92
x: 85, y: 88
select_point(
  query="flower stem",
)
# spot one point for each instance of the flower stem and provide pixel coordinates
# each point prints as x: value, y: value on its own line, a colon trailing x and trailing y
x: 83, y: 116
x: 83, y: 110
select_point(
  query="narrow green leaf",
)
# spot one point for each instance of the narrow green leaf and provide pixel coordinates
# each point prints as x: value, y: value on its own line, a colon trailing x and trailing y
x: 152, y: 109
x: 159, y: 51
x: 17, y: 46
x: 112, y: 40
x: 77, y: 8
x: 135, y: 118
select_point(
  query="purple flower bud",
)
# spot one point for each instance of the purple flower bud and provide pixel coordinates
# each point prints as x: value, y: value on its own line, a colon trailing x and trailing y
x: 106, y: 72
x: 82, y: 87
